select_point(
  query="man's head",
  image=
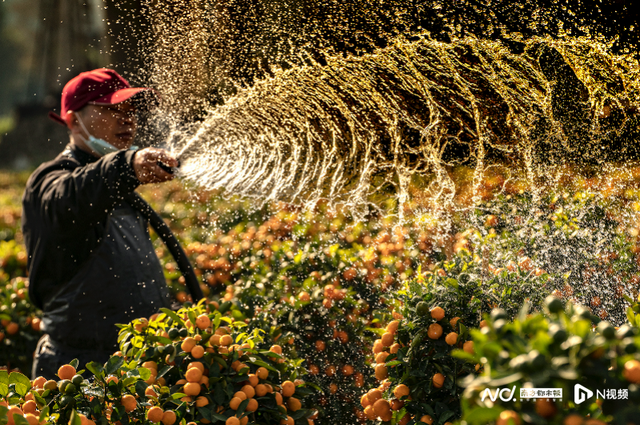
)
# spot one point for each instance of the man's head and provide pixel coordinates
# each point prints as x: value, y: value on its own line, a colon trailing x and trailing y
x: 100, y: 104
x: 115, y: 124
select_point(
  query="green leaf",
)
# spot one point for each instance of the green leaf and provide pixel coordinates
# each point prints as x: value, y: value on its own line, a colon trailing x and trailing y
x: 220, y: 361
x: 297, y: 414
x: 304, y: 391
x: 173, y: 315
x: 22, y: 383
x: 162, y: 339
x: 451, y: 282
x: 145, y: 373
x: 417, y: 340
x: 463, y: 355
x: 129, y: 380
x: 192, y: 316
x: 582, y: 328
x: 491, y: 349
x: 123, y: 336
x: 206, y: 412
x: 415, y: 288
x: 223, y: 309
x: 463, y: 329
x: 218, y: 395
x: 630, y: 315
x: 271, y: 354
x: 377, y: 331
x: 95, y: 368
x: 483, y: 415
x: 18, y: 419
x: 74, y: 363
x: 113, y: 364
x: 218, y: 417
x: 75, y: 418
x: 4, y: 383
x: 19, y: 378
x: 242, y: 407
x: 44, y: 414
x: 141, y: 387
x: 126, y: 349
x: 39, y: 399
x: 264, y: 364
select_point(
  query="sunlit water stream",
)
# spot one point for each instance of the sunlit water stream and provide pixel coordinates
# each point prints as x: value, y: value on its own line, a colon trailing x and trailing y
x: 401, y: 122
x: 440, y: 128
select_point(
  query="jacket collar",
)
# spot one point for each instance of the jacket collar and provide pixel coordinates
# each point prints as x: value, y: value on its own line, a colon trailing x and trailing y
x: 73, y: 151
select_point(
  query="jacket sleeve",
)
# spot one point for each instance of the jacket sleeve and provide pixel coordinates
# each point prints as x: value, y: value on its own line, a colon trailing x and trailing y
x: 82, y: 196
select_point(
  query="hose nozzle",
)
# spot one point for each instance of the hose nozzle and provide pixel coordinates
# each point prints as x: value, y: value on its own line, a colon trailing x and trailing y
x: 165, y: 167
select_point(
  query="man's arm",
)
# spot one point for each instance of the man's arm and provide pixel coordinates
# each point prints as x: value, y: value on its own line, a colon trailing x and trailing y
x: 82, y: 196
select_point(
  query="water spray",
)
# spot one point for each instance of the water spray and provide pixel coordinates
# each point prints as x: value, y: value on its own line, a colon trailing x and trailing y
x: 361, y: 126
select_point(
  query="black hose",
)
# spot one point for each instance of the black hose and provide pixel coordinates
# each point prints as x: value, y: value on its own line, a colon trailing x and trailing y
x: 171, y: 242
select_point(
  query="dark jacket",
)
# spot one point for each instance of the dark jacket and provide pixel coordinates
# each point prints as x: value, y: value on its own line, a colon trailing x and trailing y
x: 91, y: 261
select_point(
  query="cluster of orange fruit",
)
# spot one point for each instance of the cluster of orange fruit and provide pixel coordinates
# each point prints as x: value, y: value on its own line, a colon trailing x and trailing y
x: 10, y: 328
x: 195, y: 380
x: 254, y: 388
x: 221, y: 342
x: 379, y: 346
x: 433, y: 332
x: 331, y: 370
x: 28, y: 410
x: 12, y: 294
x: 375, y: 406
x: 331, y: 294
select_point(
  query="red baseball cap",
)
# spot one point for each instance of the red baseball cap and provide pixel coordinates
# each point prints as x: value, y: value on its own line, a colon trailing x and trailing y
x: 98, y: 87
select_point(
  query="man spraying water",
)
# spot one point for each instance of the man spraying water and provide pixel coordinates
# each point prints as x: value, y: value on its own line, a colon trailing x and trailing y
x: 91, y: 261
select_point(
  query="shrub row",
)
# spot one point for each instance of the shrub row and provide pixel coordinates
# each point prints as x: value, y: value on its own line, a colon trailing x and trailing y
x: 561, y: 347
x: 190, y: 366
x: 320, y: 280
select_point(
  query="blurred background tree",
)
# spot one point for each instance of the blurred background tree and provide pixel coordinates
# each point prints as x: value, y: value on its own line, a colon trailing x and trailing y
x: 45, y: 43
x: 12, y: 71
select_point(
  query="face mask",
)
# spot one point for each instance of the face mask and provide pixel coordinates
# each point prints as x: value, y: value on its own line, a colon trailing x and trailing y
x: 99, y: 147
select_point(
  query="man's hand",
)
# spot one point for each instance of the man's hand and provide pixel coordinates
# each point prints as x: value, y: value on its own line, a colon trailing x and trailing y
x: 145, y: 165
